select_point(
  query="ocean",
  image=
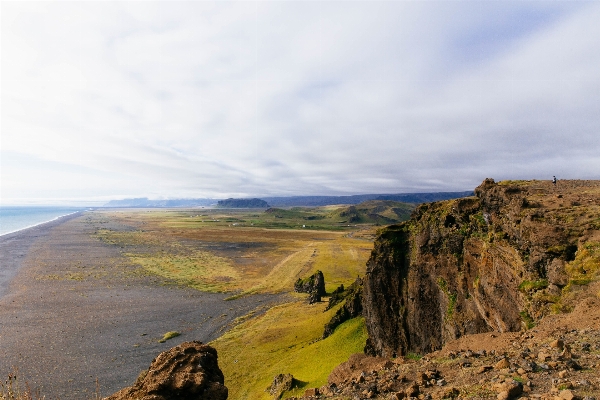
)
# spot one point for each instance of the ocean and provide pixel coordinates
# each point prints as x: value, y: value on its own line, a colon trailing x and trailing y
x: 15, y: 218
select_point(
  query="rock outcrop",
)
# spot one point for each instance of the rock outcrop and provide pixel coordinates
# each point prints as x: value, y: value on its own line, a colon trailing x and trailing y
x: 281, y: 383
x: 313, y: 284
x: 187, y: 371
x: 498, y: 261
x: 351, y: 308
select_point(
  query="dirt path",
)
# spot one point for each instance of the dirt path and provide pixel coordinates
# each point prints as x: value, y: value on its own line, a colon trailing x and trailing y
x: 76, y: 311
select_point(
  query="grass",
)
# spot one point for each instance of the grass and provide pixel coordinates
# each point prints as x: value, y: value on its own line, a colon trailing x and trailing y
x: 286, y: 339
x: 414, y: 356
x: 169, y: 335
x: 527, y: 286
x: 217, y: 257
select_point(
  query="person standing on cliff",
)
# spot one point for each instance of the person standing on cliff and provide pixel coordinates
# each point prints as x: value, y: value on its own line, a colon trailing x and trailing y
x: 554, y: 180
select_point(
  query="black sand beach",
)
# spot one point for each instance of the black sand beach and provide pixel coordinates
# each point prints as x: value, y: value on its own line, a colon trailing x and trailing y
x: 74, y: 311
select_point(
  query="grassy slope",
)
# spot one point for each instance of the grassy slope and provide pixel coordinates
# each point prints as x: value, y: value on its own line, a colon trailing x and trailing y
x: 285, y: 340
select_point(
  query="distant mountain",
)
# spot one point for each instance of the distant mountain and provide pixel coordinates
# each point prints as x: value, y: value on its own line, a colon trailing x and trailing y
x: 314, y: 201
x: 146, y: 203
x: 295, y: 201
x: 242, y: 203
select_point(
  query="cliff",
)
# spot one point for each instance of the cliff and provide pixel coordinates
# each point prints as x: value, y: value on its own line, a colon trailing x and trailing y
x: 498, y: 261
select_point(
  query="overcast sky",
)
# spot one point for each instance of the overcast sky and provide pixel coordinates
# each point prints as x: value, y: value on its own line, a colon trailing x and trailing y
x: 105, y: 100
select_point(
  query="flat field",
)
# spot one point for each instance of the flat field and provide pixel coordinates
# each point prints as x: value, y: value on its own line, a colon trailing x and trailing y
x: 247, y: 252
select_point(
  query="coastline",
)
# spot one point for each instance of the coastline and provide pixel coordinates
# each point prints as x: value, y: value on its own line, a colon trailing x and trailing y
x: 15, y: 245
x: 40, y: 223
x: 76, y: 313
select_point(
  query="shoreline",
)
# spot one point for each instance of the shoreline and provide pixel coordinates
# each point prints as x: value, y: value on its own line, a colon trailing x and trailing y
x: 14, y: 246
x: 77, y: 312
x: 40, y: 223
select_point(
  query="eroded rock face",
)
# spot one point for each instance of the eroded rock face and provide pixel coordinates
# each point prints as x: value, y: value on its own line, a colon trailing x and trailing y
x: 352, y: 307
x: 187, y: 371
x: 313, y: 284
x: 472, y: 265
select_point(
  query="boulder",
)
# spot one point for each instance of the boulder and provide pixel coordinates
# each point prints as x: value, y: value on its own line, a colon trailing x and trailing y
x: 187, y: 371
x: 314, y: 283
x: 281, y: 383
x: 557, y: 274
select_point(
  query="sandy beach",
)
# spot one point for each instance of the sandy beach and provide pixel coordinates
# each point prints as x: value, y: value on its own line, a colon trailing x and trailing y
x: 75, y: 312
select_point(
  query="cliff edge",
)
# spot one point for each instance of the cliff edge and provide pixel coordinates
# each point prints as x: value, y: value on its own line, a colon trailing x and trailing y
x: 498, y: 261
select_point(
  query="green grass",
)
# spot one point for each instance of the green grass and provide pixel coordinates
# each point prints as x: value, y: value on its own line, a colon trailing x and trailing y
x: 286, y: 339
x: 527, y: 286
x: 169, y: 335
x: 527, y: 319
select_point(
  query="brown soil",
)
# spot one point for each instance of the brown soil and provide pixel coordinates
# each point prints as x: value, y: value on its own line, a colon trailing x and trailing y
x: 78, y: 318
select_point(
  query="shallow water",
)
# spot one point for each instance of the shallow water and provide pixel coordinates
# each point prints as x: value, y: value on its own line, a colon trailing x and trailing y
x: 16, y: 218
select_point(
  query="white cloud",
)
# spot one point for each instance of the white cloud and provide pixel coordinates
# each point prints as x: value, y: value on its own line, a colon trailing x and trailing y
x: 194, y: 99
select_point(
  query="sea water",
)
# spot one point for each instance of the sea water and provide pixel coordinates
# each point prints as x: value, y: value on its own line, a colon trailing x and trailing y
x: 13, y: 218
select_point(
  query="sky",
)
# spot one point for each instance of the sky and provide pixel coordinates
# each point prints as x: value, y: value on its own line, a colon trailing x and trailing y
x: 215, y: 99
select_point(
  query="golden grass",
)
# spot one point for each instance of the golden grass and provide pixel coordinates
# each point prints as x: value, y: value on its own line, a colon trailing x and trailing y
x: 200, y: 270
x: 238, y: 260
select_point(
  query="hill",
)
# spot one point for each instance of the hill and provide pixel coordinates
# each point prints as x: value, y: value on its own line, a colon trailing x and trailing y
x: 242, y: 203
x: 383, y: 212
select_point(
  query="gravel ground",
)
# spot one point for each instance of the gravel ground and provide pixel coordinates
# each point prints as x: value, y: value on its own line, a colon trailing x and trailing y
x: 76, y: 318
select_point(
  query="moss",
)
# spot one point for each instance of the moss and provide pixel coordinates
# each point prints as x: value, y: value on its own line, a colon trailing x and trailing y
x: 452, y: 297
x: 527, y: 286
x: 527, y: 319
x: 169, y: 335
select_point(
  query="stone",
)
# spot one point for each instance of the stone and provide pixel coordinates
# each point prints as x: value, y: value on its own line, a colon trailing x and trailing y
x: 502, y: 364
x: 314, y: 283
x: 544, y: 356
x: 314, y: 297
x: 187, y: 371
x: 312, y: 392
x: 281, y: 383
x: 558, y: 343
x: 567, y: 395
x: 484, y: 368
x: 566, y: 354
x: 412, y: 390
x: 556, y: 273
x: 509, y: 390
x: 450, y: 393
x: 562, y: 374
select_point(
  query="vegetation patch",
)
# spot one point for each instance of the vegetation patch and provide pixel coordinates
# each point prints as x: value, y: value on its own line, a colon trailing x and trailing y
x: 169, y: 335
x: 528, y: 321
x: 528, y: 286
x: 286, y: 339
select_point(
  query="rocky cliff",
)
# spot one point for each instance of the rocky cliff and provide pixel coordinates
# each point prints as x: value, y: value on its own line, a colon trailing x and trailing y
x: 498, y: 261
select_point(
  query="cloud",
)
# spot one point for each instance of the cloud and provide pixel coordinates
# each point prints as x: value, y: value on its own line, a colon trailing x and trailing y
x: 216, y: 99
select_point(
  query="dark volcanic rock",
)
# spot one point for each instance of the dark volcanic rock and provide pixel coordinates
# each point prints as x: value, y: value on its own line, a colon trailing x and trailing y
x: 281, y: 383
x: 352, y: 307
x: 187, y: 371
x: 469, y: 265
x: 313, y: 284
